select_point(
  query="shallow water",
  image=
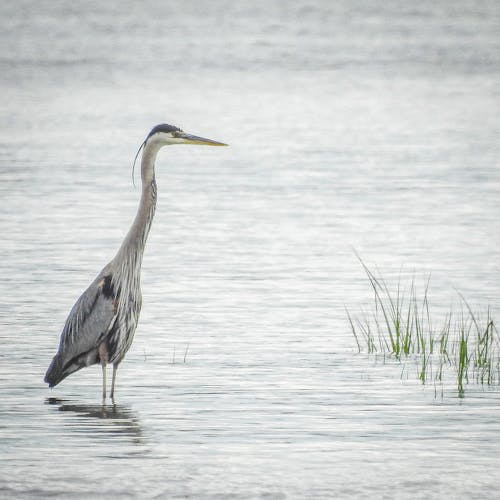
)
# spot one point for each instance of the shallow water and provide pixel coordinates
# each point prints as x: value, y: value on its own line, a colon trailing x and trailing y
x: 367, y: 126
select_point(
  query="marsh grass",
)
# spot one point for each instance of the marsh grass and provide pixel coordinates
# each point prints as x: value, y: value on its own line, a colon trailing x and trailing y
x: 465, y: 346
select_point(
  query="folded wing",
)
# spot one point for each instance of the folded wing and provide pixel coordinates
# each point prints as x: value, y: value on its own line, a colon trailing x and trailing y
x: 87, y: 325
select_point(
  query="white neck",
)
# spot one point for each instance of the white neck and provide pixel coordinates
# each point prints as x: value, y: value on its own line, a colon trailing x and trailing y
x: 133, y: 245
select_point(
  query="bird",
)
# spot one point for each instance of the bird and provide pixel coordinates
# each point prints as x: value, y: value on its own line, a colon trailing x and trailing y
x: 101, y: 325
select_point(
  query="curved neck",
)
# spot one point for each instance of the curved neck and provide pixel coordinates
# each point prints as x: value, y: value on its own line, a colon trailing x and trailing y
x: 135, y: 241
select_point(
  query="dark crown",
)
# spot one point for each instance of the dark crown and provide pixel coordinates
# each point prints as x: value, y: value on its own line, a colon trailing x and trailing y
x: 163, y: 127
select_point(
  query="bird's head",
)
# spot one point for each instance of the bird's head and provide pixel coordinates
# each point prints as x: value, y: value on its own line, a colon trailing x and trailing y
x: 164, y: 135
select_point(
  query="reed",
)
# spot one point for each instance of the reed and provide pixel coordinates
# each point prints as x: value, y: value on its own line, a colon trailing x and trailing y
x: 401, y: 325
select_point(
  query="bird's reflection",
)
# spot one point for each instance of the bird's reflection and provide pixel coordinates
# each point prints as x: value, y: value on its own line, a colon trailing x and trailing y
x: 106, y: 419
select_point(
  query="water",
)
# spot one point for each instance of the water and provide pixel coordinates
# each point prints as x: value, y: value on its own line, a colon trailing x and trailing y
x: 370, y: 126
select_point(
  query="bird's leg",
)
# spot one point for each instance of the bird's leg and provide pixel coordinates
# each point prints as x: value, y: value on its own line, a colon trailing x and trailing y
x: 103, y: 356
x: 112, y: 395
x: 103, y: 381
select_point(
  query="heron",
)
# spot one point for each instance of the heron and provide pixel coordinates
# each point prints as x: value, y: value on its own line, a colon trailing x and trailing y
x: 101, y: 325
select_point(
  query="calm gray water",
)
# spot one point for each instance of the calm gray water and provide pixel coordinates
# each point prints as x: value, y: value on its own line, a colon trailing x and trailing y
x: 353, y: 125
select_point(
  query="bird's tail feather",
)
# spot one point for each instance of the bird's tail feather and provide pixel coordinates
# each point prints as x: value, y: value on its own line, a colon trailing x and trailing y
x: 58, y: 371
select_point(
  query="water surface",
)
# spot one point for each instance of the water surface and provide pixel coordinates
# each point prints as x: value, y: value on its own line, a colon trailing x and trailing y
x: 368, y: 126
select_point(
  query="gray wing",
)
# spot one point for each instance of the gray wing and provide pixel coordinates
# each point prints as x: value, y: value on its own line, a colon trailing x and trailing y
x: 88, y: 322
x: 89, y: 319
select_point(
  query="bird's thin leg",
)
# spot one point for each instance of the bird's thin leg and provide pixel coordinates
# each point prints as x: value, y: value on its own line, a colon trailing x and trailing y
x: 103, y: 355
x: 103, y: 381
x: 112, y: 395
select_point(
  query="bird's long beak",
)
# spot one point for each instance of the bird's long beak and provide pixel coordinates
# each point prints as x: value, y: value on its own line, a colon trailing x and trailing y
x: 193, y: 139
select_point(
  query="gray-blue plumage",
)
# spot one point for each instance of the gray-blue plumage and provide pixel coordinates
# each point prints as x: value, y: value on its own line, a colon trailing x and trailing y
x: 90, y: 319
x: 101, y: 325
